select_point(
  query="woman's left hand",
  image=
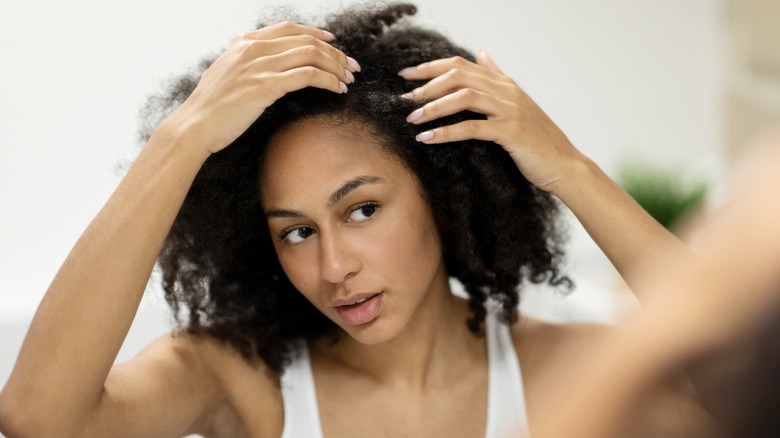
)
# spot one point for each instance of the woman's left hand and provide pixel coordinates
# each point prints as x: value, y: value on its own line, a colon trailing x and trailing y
x: 538, y: 147
x: 634, y: 242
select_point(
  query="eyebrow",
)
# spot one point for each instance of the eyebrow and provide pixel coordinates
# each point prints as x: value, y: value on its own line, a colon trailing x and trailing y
x: 337, y: 196
x: 351, y: 185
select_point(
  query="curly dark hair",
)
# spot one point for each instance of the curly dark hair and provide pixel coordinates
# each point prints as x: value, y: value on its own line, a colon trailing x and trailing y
x: 220, y: 272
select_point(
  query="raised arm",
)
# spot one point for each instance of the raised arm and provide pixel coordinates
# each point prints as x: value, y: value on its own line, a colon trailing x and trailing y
x: 59, y: 383
x: 633, y: 241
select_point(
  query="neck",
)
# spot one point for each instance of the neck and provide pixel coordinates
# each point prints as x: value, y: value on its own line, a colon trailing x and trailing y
x: 434, y: 344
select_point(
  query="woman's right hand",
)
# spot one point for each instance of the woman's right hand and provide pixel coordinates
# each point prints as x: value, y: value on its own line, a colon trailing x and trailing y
x: 59, y: 388
x: 255, y: 70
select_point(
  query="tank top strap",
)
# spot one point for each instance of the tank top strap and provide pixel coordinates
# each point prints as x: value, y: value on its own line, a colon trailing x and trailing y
x: 506, y: 411
x: 301, y: 414
x: 507, y: 415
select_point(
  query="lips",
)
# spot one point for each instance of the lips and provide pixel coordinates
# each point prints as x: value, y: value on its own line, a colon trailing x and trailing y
x: 353, y: 299
x: 360, y: 308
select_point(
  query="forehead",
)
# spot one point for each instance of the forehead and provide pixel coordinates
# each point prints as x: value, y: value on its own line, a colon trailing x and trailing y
x: 310, y: 158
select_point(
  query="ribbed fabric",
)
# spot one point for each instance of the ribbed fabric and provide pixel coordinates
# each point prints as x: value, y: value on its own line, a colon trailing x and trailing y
x: 506, y: 396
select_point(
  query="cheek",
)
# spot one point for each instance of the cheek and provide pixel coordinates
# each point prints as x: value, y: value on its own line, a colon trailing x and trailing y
x: 426, y: 244
x: 299, y: 272
x: 411, y: 245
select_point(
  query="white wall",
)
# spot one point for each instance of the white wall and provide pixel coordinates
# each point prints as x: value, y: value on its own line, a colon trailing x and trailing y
x: 624, y: 78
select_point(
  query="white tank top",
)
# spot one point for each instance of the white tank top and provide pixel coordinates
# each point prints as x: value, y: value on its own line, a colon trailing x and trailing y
x: 506, y: 415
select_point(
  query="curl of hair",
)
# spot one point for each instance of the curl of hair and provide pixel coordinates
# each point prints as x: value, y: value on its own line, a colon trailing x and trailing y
x: 221, y: 275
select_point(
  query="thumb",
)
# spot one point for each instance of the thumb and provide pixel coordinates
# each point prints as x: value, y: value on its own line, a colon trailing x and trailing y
x: 485, y: 60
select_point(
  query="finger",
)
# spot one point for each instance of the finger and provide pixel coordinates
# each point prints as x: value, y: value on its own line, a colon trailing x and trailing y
x: 461, y: 100
x: 307, y: 76
x: 260, y: 48
x: 470, y: 129
x: 432, y: 69
x: 453, y: 80
x: 288, y: 28
x: 305, y: 56
x: 254, y: 48
x: 485, y: 60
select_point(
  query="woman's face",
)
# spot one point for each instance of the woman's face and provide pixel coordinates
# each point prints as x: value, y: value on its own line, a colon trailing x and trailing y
x: 350, y: 226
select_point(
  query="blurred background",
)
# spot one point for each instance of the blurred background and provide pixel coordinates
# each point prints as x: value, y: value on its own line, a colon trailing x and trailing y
x: 663, y: 93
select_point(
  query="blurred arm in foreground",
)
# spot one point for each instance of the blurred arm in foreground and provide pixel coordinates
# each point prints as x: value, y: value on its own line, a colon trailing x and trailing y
x: 713, y: 314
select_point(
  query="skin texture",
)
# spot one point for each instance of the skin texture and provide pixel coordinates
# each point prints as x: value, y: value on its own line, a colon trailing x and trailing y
x: 421, y: 358
x: 392, y: 247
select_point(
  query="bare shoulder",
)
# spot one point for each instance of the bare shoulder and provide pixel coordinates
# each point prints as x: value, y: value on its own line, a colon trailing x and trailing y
x: 550, y: 353
x: 183, y: 384
x: 539, y: 344
x: 248, y: 401
x: 250, y: 385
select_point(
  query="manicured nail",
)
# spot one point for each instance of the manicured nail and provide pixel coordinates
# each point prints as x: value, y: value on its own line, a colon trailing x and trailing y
x: 350, y: 76
x: 329, y: 35
x: 353, y: 64
x: 414, y: 116
x: 424, y: 136
x: 343, y: 87
x: 407, y: 71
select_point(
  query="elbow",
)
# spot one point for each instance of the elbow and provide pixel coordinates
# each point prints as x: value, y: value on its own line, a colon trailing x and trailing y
x: 17, y: 425
x: 18, y: 422
x: 11, y: 421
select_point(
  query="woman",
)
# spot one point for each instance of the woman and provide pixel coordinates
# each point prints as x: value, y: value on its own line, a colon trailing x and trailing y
x: 308, y: 215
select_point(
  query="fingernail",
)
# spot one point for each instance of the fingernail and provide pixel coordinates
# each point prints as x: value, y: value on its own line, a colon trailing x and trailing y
x: 414, y: 116
x: 350, y: 76
x: 407, y: 71
x: 329, y: 35
x: 353, y: 64
x: 424, y: 136
x: 407, y: 95
x: 343, y: 87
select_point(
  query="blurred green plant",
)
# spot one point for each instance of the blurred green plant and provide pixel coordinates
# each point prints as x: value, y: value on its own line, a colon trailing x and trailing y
x: 663, y: 193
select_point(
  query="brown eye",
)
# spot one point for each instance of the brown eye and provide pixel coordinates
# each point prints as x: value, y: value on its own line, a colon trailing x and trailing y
x: 363, y: 212
x: 297, y: 235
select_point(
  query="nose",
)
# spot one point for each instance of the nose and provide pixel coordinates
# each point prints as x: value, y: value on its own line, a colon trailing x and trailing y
x: 338, y: 260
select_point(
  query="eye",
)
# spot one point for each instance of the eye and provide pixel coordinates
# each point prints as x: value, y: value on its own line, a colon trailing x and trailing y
x: 363, y: 212
x: 296, y: 234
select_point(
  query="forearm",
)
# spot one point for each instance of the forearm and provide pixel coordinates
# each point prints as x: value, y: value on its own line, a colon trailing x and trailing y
x: 636, y: 244
x: 85, y: 315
